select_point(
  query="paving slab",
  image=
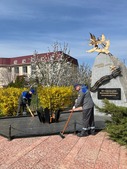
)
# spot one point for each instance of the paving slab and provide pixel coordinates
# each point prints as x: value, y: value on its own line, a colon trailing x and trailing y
x: 49, y: 151
x: 72, y: 152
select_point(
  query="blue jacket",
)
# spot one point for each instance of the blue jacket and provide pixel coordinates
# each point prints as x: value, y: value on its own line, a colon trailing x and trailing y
x: 26, y: 95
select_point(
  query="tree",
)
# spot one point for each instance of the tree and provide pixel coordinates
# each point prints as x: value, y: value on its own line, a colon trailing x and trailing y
x: 19, y: 82
x: 84, y: 74
x: 5, y: 75
x: 54, y: 69
x: 57, y: 68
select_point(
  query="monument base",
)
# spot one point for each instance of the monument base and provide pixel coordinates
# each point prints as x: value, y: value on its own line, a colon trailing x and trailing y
x: 115, y: 88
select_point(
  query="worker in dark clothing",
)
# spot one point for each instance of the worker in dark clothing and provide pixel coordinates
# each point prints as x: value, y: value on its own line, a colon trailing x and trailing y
x: 85, y: 100
x: 25, y: 98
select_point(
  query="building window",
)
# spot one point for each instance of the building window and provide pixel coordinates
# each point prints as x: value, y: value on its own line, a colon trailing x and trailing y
x: 32, y: 59
x: 17, y: 70
x: 43, y: 58
x: 24, y: 61
x: 24, y: 69
x: 15, y: 62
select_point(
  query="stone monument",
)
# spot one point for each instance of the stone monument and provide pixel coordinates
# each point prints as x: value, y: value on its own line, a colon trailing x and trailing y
x: 109, y: 74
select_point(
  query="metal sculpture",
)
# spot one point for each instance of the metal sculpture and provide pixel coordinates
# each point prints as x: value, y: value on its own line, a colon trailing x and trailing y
x: 100, y: 45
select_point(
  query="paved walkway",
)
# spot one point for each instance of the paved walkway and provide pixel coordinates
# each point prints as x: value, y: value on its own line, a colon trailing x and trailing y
x: 53, y: 152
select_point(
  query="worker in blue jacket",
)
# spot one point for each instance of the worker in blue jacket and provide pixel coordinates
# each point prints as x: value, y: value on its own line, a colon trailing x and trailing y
x: 85, y: 101
x: 25, y: 98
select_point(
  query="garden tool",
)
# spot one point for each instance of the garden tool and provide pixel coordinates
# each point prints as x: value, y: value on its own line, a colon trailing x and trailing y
x: 66, y: 124
x: 29, y: 110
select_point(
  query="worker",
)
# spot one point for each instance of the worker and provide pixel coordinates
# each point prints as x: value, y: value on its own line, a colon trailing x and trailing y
x: 25, y: 98
x: 85, y: 101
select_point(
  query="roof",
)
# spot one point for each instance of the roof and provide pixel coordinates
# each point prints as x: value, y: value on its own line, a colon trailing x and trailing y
x: 24, y: 60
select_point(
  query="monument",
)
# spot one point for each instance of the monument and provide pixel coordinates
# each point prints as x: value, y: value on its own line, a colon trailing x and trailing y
x: 109, y: 74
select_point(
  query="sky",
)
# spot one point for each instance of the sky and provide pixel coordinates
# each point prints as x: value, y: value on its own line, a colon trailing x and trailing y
x: 29, y: 25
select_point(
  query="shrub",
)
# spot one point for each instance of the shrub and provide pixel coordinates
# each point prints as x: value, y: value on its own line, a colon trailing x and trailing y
x: 55, y: 97
x: 117, y: 127
x: 50, y: 97
x: 9, y: 101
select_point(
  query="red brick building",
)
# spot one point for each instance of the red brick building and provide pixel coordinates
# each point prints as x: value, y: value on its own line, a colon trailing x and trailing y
x: 21, y: 65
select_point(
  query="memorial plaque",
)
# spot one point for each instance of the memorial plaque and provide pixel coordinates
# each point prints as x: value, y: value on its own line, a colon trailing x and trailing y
x: 109, y: 93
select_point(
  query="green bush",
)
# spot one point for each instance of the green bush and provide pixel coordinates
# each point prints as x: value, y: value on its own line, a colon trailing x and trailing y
x: 117, y: 127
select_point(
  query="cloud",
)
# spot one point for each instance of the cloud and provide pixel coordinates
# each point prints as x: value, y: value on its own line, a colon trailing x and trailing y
x: 35, y: 25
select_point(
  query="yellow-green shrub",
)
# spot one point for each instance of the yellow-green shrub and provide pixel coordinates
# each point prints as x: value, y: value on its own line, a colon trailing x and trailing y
x: 55, y: 97
x: 9, y: 101
x: 51, y: 97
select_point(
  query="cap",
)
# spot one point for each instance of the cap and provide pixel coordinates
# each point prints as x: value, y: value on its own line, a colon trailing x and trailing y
x: 75, y: 85
x: 32, y: 90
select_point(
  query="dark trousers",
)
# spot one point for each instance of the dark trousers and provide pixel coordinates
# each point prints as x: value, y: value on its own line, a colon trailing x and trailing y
x: 88, y: 119
x: 21, y: 107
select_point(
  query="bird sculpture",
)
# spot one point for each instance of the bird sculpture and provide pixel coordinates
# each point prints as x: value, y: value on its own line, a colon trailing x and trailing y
x: 100, y: 45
